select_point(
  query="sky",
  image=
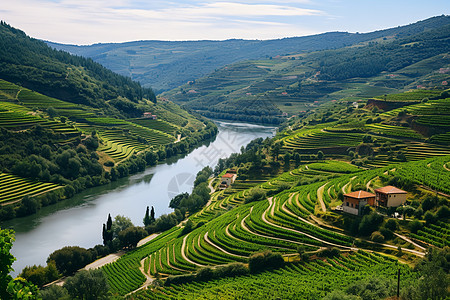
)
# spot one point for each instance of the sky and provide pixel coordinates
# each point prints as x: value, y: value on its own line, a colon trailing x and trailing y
x: 86, y: 22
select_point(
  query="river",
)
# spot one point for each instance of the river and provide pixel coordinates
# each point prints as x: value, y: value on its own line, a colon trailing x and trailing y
x: 78, y: 221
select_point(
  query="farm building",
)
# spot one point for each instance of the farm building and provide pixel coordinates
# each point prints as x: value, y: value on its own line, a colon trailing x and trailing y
x: 227, y: 180
x: 354, y: 202
x: 390, y: 196
x: 149, y: 115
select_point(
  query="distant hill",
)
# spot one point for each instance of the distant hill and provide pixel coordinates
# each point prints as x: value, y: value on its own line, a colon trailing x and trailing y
x: 270, y: 90
x: 165, y: 65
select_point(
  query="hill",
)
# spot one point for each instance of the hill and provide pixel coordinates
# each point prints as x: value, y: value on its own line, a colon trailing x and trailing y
x: 67, y: 124
x: 270, y: 90
x: 166, y: 65
x: 34, y: 65
x: 287, y: 198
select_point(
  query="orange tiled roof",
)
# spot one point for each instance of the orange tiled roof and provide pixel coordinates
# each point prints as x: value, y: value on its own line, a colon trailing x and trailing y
x: 390, y: 190
x: 228, y: 175
x: 359, y: 194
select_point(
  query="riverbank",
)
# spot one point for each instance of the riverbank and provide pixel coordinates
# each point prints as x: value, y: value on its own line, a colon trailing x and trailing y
x: 79, y: 221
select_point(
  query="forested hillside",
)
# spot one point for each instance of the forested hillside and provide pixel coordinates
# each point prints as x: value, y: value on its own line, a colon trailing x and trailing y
x: 270, y: 90
x: 166, y: 65
x: 67, y: 124
x: 34, y: 65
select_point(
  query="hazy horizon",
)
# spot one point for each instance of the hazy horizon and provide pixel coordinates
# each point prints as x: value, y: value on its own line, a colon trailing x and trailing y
x: 87, y: 22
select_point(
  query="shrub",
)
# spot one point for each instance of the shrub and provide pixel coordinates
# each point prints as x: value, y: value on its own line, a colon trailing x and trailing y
x: 429, y: 218
x: 256, y: 194
x: 265, y: 260
x: 415, y: 226
x: 377, y: 237
x: 391, y: 224
x: 329, y: 252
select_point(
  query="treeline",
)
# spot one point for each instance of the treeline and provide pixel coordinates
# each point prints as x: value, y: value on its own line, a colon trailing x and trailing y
x: 32, y: 64
x: 256, y: 111
x: 36, y: 154
x: 378, y: 57
x: 199, y: 196
x: 261, y: 119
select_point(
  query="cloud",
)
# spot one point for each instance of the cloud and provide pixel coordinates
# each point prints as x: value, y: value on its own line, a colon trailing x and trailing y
x: 91, y: 21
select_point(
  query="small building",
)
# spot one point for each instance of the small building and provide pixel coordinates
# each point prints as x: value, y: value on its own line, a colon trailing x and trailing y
x: 389, y: 196
x: 149, y: 115
x: 228, y: 178
x: 354, y: 202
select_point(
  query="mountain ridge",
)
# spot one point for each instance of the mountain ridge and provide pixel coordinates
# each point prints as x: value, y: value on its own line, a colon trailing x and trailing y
x: 166, y: 67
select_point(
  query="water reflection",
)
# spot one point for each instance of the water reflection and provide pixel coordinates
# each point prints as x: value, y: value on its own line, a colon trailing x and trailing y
x: 78, y: 221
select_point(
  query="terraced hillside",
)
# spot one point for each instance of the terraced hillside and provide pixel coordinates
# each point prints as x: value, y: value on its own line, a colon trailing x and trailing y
x: 51, y: 144
x: 271, y: 90
x: 289, y: 196
x: 311, y: 280
x: 234, y: 230
x: 14, y: 188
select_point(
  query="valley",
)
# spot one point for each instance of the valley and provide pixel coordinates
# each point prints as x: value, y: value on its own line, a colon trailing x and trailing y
x: 315, y: 167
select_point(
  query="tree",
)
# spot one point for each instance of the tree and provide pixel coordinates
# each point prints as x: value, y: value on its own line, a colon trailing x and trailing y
x: 265, y: 260
x: 70, y: 259
x: 147, y: 217
x: 40, y: 275
x: 320, y: 155
x: 109, y: 222
x: 120, y: 223
x: 188, y: 227
x: 54, y: 292
x: 415, y: 226
x: 255, y: 194
x: 175, y: 202
x: 107, y: 232
x: 6, y: 260
x: 11, y: 288
x: 88, y: 285
x: 130, y: 236
x: 152, y: 215
x: 287, y: 159
x: 434, y: 280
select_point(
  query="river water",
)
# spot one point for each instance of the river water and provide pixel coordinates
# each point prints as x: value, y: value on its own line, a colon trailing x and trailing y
x: 78, y: 221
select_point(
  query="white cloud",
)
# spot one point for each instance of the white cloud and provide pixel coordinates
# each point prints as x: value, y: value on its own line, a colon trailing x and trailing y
x: 91, y: 21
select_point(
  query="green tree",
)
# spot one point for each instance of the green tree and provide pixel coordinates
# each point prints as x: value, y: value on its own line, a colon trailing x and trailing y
x: 434, y: 280
x: 131, y: 236
x: 11, y: 288
x: 70, y: 259
x: 147, y: 217
x: 40, y: 275
x: 320, y: 155
x: 88, y: 285
x: 54, y: 292
x: 152, y: 215
x: 188, y: 227
x: 119, y: 224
